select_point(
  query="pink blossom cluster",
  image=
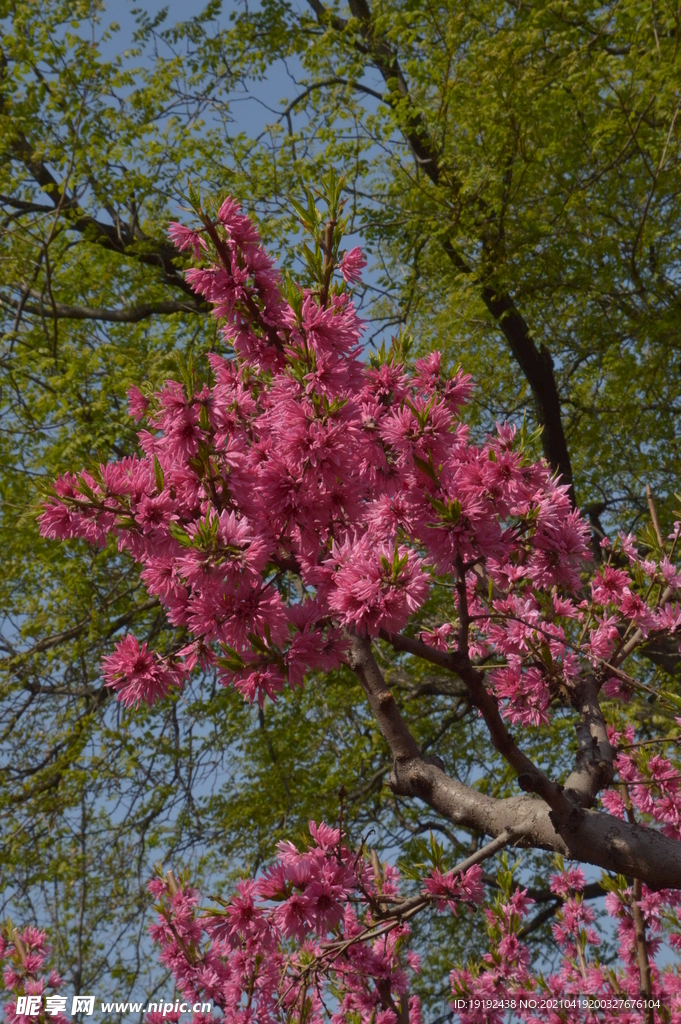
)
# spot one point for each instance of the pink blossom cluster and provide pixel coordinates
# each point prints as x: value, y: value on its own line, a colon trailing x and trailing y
x: 548, y: 641
x: 617, y: 988
x: 321, y: 935
x: 651, y: 781
x: 315, y: 929
x: 504, y: 973
x: 24, y: 955
x: 299, y: 492
x: 504, y: 970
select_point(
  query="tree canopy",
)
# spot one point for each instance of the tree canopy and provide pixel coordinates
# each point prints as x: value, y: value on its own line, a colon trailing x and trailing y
x: 512, y: 171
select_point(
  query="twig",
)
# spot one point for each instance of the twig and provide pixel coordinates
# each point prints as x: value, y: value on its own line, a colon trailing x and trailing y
x: 653, y: 516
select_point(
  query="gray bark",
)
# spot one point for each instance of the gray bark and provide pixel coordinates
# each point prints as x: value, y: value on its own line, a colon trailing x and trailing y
x: 568, y: 827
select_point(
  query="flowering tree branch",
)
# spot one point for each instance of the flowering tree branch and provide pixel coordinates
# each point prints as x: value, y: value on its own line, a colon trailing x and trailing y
x: 296, y: 503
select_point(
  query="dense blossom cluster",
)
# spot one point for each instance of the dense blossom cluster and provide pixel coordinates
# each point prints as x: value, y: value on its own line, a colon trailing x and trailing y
x: 24, y: 955
x: 650, y: 782
x: 299, y: 460
x: 298, y: 496
x: 505, y: 975
x: 315, y: 925
x: 302, y: 491
x: 322, y: 934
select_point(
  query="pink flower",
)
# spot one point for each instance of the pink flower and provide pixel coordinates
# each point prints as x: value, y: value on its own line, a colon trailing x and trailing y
x: 614, y: 687
x: 603, y: 640
x: 613, y: 803
x: 137, y: 674
x: 526, y: 692
x: 376, y: 586
x: 564, y: 606
x: 137, y: 403
x: 184, y: 238
x: 453, y: 889
x: 438, y: 638
x: 628, y: 545
x: 609, y: 584
x: 632, y: 606
x: 352, y: 264
x: 260, y: 683
x: 570, y: 880
x: 669, y: 617
x: 325, y: 837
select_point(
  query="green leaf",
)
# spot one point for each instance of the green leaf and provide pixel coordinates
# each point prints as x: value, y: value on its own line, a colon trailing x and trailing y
x: 180, y: 536
x: 158, y: 475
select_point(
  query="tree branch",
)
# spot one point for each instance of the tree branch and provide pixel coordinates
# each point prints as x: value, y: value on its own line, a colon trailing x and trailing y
x: 642, y: 949
x: 25, y: 207
x: 537, y: 366
x: 411, y: 645
x: 132, y: 315
x: 530, y: 778
x: 49, y: 642
x: 539, y: 919
x: 594, y: 768
x: 402, y: 744
x: 592, y: 837
x: 323, y: 84
x: 118, y: 238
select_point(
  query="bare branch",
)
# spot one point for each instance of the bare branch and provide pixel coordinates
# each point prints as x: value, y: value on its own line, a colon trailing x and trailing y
x: 49, y: 642
x: 653, y: 516
x: 642, y: 949
x: 402, y: 744
x: 117, y: 237
x: 323, y: 84
x: 25, y: 207
x: 131, y: 315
